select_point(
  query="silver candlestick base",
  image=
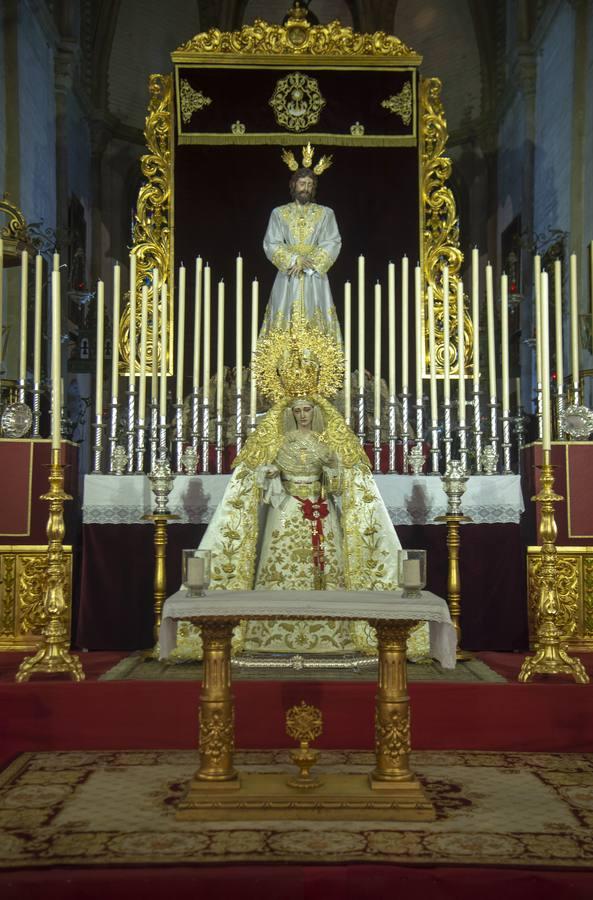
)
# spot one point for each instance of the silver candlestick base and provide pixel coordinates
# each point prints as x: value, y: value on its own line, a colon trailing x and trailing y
x: 392, y: 435
x: 377, y: 447
x: 161, y: 480
x: 36, y: 408
x: 219, y: 444
x: 178, y: 436
x: 98, y: 448
x: 416, y: 459
x: 113, y: 412
x: 206, y: 436
x: 454, y: 484
x: 154, y: 434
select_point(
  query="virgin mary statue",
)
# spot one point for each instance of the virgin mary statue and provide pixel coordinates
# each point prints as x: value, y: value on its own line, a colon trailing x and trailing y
x: 302, y: 511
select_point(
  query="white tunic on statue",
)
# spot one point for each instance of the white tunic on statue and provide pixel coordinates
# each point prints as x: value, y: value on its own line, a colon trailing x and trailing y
x: 302, y: 230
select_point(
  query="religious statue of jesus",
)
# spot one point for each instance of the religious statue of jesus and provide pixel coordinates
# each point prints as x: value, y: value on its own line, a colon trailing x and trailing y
x: 302, y: 240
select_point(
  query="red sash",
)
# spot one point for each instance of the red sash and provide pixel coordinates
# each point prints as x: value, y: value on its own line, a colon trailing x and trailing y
x: 315, y: 511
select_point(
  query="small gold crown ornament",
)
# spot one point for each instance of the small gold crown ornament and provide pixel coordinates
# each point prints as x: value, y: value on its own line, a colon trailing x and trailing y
x: 323, y: 163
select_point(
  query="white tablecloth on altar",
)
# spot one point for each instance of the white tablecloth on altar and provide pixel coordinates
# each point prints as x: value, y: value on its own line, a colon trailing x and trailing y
x: 411, y: 500
x: 353, y: 605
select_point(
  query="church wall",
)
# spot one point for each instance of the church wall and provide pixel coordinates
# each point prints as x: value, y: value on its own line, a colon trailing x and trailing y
x: 511, y: 140
x: 3, y: 119
x: 588, y: 133
x: 274, y: 12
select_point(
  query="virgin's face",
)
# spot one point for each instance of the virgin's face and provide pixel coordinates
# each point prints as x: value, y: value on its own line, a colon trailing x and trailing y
x: 303, y: 415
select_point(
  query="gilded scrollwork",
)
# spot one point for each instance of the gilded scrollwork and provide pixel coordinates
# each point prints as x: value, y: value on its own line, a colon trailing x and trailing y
x: 392, y: 732
x: 216, y: 736
x: 567, y: 591
x: 401, y: 104
x: 588, y: 597
x: 23, y: 580
x: 441, y: 225
x: 190, y: 100
x: 152, y: 228
x: 7, y: 593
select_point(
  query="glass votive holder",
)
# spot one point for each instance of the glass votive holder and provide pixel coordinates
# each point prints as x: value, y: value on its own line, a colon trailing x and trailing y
x: 412, y: 572
x: 195, y: 571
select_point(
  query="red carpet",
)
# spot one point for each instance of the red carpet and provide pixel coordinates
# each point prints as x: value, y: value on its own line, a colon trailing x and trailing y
x: 54, y: 713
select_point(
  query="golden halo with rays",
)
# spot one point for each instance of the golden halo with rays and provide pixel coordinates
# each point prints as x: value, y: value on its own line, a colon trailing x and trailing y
x: 299, y: 361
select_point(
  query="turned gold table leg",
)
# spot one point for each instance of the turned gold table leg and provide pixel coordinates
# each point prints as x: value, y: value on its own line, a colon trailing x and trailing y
x: 217, y: 737
x: 392, y: 713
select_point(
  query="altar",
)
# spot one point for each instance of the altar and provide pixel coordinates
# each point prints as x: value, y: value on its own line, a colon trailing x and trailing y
x: 117, y: 556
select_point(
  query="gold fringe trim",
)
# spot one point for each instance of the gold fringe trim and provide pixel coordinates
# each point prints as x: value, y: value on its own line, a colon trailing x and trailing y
x: 336, y: 140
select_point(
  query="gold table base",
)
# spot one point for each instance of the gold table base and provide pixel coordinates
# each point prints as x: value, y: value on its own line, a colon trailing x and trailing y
x: 391, y: 791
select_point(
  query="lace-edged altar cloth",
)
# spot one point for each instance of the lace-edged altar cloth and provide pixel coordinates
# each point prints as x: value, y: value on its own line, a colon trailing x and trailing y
x: 336, y: 605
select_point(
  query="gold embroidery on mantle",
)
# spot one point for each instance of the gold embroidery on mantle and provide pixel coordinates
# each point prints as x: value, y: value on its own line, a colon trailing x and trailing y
x: 297, y: 101
x: 302, y: 220
x: 401, y: 104
x: 191, y: 101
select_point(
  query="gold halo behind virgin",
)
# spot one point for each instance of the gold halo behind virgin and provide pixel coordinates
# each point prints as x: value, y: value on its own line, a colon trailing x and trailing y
x: 298, y: 361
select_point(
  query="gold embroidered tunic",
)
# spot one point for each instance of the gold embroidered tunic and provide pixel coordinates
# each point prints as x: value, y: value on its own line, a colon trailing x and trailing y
x: 294, y: 232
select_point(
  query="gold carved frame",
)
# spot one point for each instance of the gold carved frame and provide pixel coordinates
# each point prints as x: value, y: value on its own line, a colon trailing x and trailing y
x: 299, y: 43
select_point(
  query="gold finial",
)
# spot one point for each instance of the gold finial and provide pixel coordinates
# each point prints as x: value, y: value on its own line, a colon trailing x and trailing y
x: 304, y: 723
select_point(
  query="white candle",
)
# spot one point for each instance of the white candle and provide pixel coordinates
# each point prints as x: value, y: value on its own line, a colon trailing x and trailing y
x: 164, y: 335
x: 574, y: 320
x: 206, y: 333
x: 56, y: 262
x: 361, y: 324
x: 156, y: 291
x: 504, y: 341
x: 254, y: 324
x: 56, y: 362
x: 411, y: 573
x: 115, y: 335
x: 432, y: 354
x: 558, y: 324
x: 1, y: 299
x: 476, y: 318
x: 132, y: 360
x: 537, y: 271
x: 446, y: 337
x: 143, y: 343
x: 239, y: 323
x: 220, y: 351
x: 377, y: 354
x: 545, y: 356
x: 100, y: 350
x: 37, y: 325
x: 405, y: 359
x: 490, y: 328
x: 197, y: 325
x: 461, y: 351
x: 180, y: 333
x: 419, y: 338
x: 195, y: 572
x: 391, y: 326
x: 347, y: 352
x: 23, y: 323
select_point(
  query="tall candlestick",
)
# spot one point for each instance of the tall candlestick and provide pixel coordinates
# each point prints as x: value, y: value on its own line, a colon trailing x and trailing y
x: 197, y: 325
x: 156, y: 292
x: 361, y: 324
x: 558, y: 324
x: 504, y: 340
x: 56, y: 362
x: 207, y: 301
x: 37, y: 320
x: 419, y: 338
x: 446, y: 338
x: 461, y: 351
x: 377, y: 354
x: 23, y: 322
x: 574, y: 320
x: 476, y: 317
x: 115, y: 334
x: 239, y: 324
x: 348, y: 352
x: 391, y: 326
x: 132, y: 361
x: 143, y: 350
x: 100, y: 348
x: 405, y: 329
x: 220, y: 351
x: 490, y: 327
x: 537, y: 271
x: 432, y: 354
x: 254, y: 324
x: 164, y: 336
x: 180, y: 334
x: 545, y: 357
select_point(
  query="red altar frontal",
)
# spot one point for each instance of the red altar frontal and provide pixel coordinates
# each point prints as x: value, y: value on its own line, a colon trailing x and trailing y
x: 573, y: 463
x: 23, y: 540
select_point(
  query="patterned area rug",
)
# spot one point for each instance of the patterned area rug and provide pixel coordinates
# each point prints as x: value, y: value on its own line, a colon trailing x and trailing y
x: 118, y: 808
x: 139, y: 668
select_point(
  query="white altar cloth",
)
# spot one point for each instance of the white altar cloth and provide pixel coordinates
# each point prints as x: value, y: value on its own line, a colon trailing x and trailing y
x: 353, y: 605
x: 410, y: 499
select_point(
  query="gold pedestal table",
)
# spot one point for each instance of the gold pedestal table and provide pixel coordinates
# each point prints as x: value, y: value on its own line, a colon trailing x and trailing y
x: 391, y: 791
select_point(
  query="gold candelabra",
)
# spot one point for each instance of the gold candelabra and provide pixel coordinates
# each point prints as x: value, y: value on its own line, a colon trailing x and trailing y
x: 54, y: 654
x: 551, y: 657
x: 160, y: 565
x: 452, y: 521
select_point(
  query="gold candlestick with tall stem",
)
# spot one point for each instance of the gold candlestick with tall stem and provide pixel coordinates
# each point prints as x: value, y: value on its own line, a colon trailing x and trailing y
x: 551, y: 657
x: 54, y: 654
x: 452, y: 522
x: 160, y: 565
